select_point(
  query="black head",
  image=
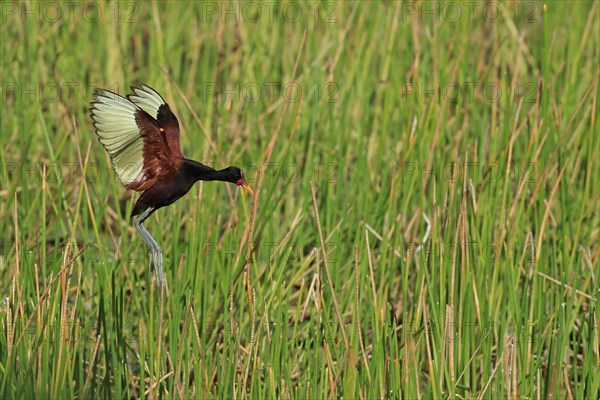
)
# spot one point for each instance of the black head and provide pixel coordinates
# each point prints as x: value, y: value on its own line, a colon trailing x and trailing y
x: 236, y: 175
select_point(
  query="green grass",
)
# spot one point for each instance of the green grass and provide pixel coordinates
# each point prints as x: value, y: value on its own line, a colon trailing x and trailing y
x: 264, y: 301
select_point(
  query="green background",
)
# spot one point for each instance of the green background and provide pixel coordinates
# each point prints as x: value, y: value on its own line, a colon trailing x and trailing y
x: 479, y: 117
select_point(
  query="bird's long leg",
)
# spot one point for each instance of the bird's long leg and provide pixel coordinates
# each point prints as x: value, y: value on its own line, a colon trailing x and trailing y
x: 155, y: 250
x: 155, y: 253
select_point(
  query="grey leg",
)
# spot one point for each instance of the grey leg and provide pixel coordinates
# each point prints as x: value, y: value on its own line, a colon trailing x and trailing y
x: 155, y: 250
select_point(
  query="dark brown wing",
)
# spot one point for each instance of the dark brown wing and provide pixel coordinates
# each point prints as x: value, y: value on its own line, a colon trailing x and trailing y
x: 160, y: 161
x: 168, y: 121
x: 152, y: 102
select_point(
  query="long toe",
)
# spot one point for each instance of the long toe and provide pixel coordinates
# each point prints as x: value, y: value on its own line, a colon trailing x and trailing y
x: 158, y: 269
x: 154, y: 265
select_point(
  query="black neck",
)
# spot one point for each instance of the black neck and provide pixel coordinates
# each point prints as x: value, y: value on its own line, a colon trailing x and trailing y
x: 200, y: 172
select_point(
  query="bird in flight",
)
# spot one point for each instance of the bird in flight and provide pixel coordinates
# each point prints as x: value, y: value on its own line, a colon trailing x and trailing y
x: 141, y: 135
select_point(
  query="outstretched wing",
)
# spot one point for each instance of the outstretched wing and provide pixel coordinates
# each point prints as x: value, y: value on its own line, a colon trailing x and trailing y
x: 134, y: 140
x: 152, y: 102
x: 114, y: 120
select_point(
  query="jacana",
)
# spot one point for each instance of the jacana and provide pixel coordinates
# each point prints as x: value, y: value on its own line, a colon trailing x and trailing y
x: 141, y: 135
